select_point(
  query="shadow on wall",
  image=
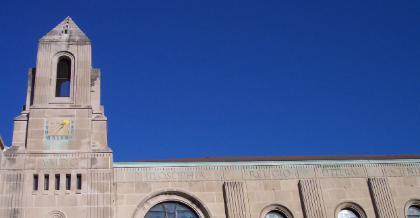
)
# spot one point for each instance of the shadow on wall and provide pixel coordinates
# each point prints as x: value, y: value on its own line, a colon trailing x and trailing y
x: 2, y: 145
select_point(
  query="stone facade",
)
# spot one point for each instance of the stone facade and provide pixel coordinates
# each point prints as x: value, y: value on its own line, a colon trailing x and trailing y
x: 60, y: 165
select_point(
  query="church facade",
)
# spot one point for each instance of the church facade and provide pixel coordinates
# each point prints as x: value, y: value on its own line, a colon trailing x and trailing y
x: 60, y: 166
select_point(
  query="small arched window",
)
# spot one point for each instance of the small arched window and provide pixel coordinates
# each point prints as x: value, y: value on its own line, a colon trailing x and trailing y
x: 348, y: 213
x: 172, y: 210
x: 274, y: 214
x: 413, y: 212
x: 62, y: 87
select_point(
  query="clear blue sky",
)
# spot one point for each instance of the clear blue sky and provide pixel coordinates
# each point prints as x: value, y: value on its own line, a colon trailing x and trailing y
x: 236, y: 78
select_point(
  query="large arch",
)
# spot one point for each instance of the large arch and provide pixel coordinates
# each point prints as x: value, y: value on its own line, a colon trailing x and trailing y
x: 173, y: 195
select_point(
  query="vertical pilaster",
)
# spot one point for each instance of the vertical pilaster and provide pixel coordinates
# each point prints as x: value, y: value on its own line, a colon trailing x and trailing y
x: 29, y: 91
x: 382, y: 198
x: 83, y: 71
x: 20, y: 131
x: 236, y: 200
x: 99, y: 194
x: 11, y: 194
x: 42, y: 80
x: 313, y: 203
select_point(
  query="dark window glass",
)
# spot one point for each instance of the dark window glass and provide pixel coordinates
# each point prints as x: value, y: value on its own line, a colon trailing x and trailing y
x: 413, y: 212
x: 79, y: 181
x: 172, y: 210
x: 57, y: 181
x: 62, y: 87
x: 68, y: 181
x: 35, y: 184
x: 46, y: 182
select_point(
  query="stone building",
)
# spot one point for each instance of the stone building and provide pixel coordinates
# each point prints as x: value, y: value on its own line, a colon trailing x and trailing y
x: 59, y: 164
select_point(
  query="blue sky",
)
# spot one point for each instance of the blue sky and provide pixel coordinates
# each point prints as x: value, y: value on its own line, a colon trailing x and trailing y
x: 236, y: 78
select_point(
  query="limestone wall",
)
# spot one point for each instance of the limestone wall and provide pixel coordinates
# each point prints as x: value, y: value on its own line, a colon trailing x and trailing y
x: 217, y: 190
x: 247, y: 190
x: 18, y: 198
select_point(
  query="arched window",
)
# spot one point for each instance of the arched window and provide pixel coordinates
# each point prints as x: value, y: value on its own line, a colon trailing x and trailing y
x: 348, y: 213
x: 275, y: 211
x: 62, y: 85
x: 274, y: 214
x: 171, y: 210
x: 413, y: 212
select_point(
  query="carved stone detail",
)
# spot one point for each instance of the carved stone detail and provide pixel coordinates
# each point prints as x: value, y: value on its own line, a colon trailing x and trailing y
x: 11, y: 195
x: 56, y: 214
x: 311, y: 197
x: 382, y: 198
x: 236, y: 200
x: 99, y: 194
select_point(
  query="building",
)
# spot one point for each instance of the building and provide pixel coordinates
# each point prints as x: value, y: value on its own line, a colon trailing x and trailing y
x: 59, y: 164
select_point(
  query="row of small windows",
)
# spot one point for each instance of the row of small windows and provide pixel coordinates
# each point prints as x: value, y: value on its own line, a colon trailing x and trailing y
x: 57, y: 182
x: 179, y: 210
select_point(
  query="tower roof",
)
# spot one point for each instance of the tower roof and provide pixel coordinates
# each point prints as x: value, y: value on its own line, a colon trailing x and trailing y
x: 66, y: 31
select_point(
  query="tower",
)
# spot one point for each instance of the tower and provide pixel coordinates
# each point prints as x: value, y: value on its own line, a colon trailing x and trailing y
x: 59, y: 164
x: 63, y: 112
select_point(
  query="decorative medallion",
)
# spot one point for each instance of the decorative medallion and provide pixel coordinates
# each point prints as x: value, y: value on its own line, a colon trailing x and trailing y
x: 58, y: 133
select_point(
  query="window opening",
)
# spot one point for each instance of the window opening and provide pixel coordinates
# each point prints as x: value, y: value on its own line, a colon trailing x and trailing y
x: 68, y: 181
x: 62, y: 86
x: 46, y: 182
x: 347, y: 213
x: 413, y: 212
x: 57, y: 181
x: 275, y: 214
x: 79, y: 181
x: 35, y: 184
x: 171, y: 209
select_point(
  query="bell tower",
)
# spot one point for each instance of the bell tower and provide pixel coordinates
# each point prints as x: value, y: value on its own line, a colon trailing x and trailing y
x: 63, y: 111
x: 59, y: 163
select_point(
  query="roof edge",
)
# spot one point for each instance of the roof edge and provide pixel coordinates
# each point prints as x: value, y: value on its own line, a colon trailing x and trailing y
x: 285, y: 158
x: 261, y: 163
